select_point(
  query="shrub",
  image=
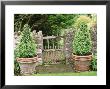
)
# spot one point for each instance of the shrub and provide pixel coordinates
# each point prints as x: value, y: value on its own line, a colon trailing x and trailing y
x: 26, y: 48
x: 16, y: 64
x: 82, y: 43
x: 94, y: 63
x: 16, y: 68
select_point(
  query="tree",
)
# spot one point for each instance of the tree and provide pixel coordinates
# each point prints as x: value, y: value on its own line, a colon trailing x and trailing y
x: 48, y: 23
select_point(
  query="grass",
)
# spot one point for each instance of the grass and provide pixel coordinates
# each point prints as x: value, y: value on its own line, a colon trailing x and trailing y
x: 90, y: 73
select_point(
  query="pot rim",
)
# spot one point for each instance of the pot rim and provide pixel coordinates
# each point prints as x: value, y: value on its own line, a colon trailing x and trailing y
x: 83, y: 55
x: 27, y: 60
x: 87, y: 57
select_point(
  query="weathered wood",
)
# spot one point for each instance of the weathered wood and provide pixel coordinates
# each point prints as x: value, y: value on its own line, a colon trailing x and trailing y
x: 52, y: 50
x: 45, y: 47
x: 50, y: 47
x: 49, y: 37
x: 55, y: 47
x: 48, y: 43
x: 53, y: 37
x: 52, y: 44
x: 52, y: 55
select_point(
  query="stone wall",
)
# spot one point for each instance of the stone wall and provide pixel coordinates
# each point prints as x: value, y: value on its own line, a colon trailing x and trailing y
x: 68, y: 39
x: 94, y: 40
x: 16, y: 39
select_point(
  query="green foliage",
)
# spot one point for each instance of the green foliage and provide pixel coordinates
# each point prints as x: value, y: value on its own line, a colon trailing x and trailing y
x: 16, y: 68
x: 82, y: 42
x: 82, y: 19
x: 48, y: 23
x: 94, y: 63
x: 26, y: 47
x: 59, y: 21
x: 16, y: 64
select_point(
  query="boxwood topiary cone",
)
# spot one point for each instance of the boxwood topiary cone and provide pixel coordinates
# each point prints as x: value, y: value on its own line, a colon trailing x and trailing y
x: 26, y: 52
x: 82, y: 46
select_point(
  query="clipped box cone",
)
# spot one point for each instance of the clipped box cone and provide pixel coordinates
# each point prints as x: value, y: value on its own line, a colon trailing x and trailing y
x: 82, y: 45
x: 26, y: 52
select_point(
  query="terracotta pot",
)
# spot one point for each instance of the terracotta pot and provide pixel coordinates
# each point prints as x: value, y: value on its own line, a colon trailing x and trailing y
x: 27, y: 65
x: 82, y: 63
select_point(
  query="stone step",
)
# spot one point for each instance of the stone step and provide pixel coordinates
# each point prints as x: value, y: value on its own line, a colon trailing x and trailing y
x: 54, y: 68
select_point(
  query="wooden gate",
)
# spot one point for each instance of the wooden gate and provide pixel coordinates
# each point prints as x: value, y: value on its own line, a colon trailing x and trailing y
x: 53, y: 54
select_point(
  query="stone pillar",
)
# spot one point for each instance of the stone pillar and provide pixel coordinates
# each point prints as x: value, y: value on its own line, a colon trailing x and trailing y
x: 16, y: 39
x: 68, y: 45
x: 34, y: 35
x: 94, y: 39
x: 39, y: 47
